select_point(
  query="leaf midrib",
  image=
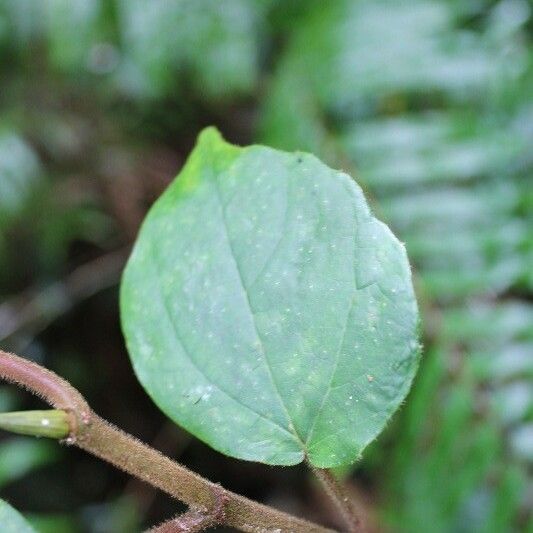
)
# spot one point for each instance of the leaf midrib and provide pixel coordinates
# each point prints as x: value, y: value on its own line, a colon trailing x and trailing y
x: 290, y: 425
x: 187, y: 352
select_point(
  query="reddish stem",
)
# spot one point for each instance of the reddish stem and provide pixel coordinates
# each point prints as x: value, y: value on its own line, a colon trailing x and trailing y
x: 342, y: 501
x: 54, y: 390
x: 98, y: 437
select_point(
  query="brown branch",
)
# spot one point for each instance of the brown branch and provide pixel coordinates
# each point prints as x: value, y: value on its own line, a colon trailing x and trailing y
x: 98, y: 437
x: 169, y: 440
x: 196, y: 520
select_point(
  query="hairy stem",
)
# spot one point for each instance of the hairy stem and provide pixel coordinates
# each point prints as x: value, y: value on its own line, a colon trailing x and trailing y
x: 54, y: 390
x: 189, y: 522
x: 98, y: 437
x: 339, y: 497
x: 196, y: 520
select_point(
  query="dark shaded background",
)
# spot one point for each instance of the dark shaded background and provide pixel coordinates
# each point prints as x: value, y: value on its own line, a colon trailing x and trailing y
x: 428, y: 103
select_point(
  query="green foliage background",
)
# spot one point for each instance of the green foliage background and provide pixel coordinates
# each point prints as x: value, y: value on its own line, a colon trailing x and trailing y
x: 428, y: 103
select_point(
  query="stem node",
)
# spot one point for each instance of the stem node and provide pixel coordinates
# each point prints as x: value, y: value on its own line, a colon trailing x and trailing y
x: 100, y: 438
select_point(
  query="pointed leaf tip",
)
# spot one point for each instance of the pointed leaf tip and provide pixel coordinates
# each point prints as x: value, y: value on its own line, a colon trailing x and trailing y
x: 210, y: 135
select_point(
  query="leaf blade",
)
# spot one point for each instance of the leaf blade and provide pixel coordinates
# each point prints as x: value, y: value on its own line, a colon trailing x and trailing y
x: 239, y: 294
x: 12, y: 521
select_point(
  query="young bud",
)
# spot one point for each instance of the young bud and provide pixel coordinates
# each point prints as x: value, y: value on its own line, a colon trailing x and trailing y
x: 52, y: 423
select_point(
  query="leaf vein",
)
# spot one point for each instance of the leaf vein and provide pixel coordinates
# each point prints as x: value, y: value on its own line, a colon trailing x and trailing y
x: 291, y: 428
x: 187, y: 353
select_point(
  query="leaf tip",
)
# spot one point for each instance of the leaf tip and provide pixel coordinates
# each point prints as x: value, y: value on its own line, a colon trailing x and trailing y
x: 210, y: 136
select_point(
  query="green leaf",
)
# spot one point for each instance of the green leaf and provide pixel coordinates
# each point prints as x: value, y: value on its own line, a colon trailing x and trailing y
x: 267, y: 311
x: 12, y: 521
